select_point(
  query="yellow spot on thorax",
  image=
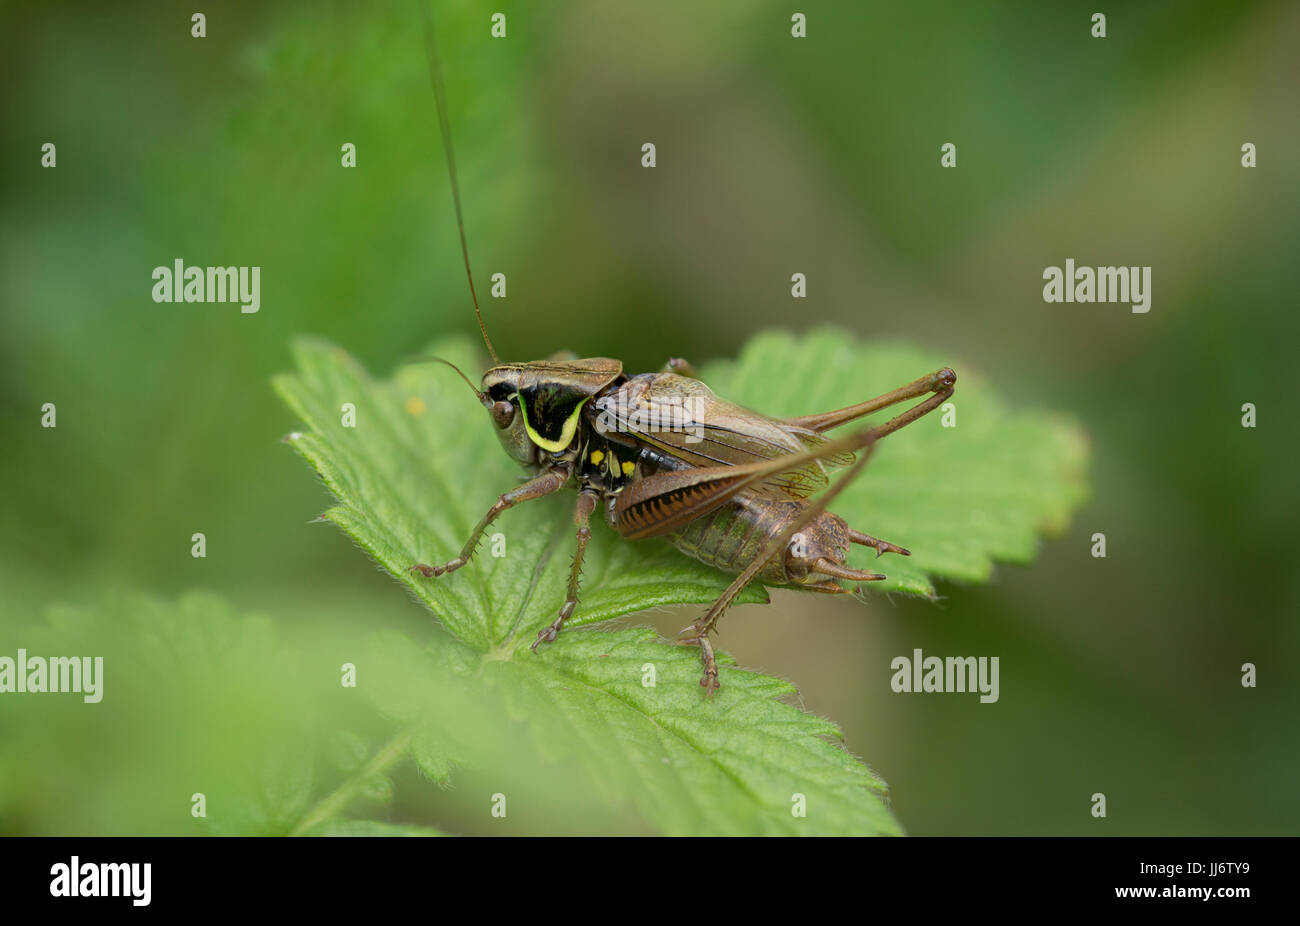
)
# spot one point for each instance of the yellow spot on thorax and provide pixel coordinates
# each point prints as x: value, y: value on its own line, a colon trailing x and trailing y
x: 628, y: 467
x: 596, y: 457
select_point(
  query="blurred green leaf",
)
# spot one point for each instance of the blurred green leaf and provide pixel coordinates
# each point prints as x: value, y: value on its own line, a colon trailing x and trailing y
x: 198, y: 699
x: 371, y: 828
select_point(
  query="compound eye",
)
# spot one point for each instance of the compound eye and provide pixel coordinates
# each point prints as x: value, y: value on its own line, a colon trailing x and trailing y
x: 503, y: 413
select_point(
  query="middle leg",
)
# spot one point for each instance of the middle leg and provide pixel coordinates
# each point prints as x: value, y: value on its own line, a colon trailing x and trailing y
x: 587, y: 499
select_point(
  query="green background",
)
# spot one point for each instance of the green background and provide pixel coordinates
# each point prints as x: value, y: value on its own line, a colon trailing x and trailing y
x: 775, y: 155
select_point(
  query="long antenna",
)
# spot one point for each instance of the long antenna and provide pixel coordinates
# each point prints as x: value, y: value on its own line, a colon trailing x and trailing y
x: 458, y: 372
x: 444, y: 123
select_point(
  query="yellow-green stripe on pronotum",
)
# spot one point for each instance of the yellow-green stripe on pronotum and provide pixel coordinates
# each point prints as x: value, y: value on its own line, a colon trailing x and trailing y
x: 566, y: 433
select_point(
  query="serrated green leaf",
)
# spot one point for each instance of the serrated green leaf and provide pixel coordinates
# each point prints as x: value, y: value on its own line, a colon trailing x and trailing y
x: 421, y: 465
x: 960, y: 497
x: 420, y: 468
x: 625, y: 712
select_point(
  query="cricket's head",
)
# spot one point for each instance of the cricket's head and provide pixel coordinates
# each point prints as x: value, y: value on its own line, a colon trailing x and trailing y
x: 501, y: 398
x: 538, y: 406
